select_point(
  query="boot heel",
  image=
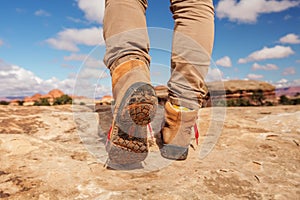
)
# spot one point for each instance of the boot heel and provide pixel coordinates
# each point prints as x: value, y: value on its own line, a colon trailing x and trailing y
x: 174, y: 152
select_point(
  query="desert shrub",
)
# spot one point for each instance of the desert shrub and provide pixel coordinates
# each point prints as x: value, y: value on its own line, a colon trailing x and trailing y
x: 4, y: 103
x: 20, y: 102
x: 82, y: 103
x: 219, y: 103
x: 64, y: 99
x: 268, y: 103
x: 295, y: 101
x: 42, y: 102
x: 258, y: 97
x: 284, y: 100
x: 243, y: 102
x: 238, y: 102
x: 231, y: 103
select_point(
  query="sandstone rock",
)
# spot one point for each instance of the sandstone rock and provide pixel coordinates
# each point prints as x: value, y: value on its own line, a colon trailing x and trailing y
x: 14, y: 102
x: 233, y: 86
x: 17, y: 147
x: 35, y: 97
x: 105, y: 100
x: 256, y: 157
x: 55, y: 93
x: 248, y: 90
x: 230, y: 90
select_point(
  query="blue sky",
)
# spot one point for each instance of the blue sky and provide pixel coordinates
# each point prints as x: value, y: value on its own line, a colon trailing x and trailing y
x: 44, y: 43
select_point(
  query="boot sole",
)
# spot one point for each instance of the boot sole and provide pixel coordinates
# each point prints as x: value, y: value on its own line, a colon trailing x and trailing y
x: 140, y: 102
x: 137, y: 109
x: 174, y: 152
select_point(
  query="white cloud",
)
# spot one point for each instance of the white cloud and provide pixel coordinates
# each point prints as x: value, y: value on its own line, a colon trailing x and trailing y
x: 69, y: 39
x: 289, y: 71
x: 224, y: 62
x: 245, y: 11
x: 17, y: 81
x: 77, y: 20
x: 282, y: 83
x: 254, y: 76
x: 89, y: 73
x: 102, y: 90
x: 87, y: 60
x: 214, y: 74
x: 287, y: 17
x: 266, y: 67
x: 68, y: 66
x: 62, y: 44
x: 1, y: 42
x: 90, y: 68
x: 76, y: 57
x: 93, y: 9
x: 268, y: 53
x: 296, y: 82
x: 42, y: 13
x: 290, y: 39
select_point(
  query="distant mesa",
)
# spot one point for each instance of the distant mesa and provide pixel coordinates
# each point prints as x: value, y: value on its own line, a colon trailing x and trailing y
x: 233, y: 86
x: 248, y: 92
x: 241, y: 93
x: 105, y: 100
x: 292, y: 91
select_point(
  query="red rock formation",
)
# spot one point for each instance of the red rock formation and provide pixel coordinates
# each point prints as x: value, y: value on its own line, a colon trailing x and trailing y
x: 55, y: 93
x: 46, y: 96
x: 14, y: 102
x: 32, y: 98
x: 105, y: 100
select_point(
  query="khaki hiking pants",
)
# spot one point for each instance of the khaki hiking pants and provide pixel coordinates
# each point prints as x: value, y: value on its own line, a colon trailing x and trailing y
x: 125, y: 34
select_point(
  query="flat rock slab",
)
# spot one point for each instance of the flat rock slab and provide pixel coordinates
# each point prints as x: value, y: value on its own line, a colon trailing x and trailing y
x: 257, y: 156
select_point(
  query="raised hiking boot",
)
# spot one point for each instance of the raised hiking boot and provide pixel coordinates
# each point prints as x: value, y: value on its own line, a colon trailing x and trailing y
x: 135, y: 107
x: 176, y: 133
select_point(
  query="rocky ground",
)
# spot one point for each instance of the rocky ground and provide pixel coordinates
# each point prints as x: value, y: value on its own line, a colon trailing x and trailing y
x: 44, y: 155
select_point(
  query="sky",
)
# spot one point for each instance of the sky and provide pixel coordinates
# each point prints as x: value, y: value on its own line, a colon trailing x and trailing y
x: 47, y: 44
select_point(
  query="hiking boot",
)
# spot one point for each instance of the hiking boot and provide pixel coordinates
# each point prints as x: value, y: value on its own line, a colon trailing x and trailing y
x: 176, y: 133
x: 135, y: 107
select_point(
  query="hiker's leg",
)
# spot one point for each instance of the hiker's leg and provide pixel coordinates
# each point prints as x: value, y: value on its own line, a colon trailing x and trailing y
x: 127, y: 47
x: 125, y: 32
x: 192, y: 47
x: 191, y: 52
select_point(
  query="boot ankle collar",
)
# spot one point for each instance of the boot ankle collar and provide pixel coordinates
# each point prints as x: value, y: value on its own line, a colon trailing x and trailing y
x: 124, y: 59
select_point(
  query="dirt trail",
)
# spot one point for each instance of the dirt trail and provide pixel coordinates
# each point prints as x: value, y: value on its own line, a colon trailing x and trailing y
x: 257, y: 157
